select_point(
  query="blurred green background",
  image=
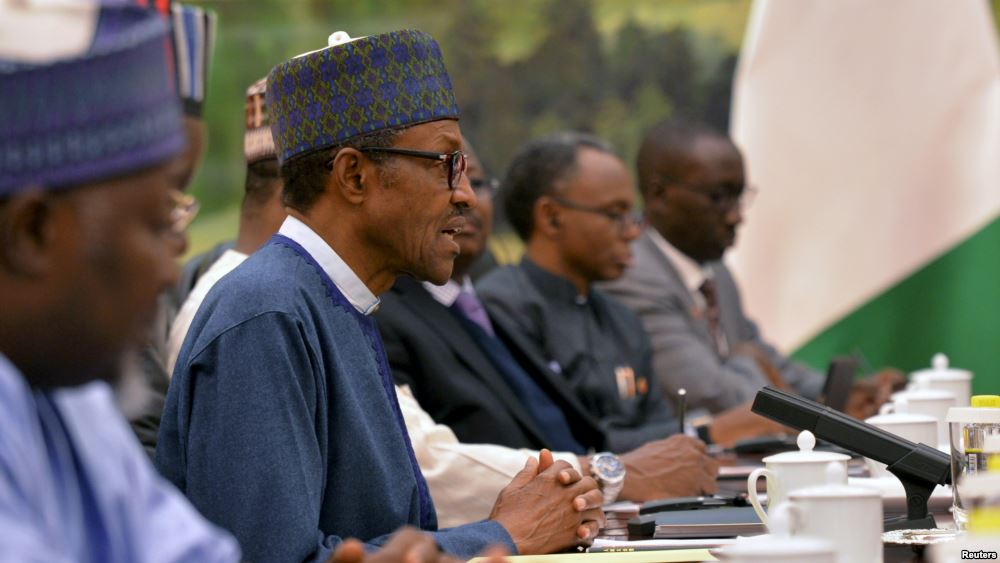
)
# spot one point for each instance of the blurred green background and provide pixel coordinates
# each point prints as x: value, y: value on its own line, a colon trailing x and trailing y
x: 521, y: 68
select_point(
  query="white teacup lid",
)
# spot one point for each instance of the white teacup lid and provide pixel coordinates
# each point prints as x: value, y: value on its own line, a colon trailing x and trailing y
x: 836, y: 476
x: 806, y: 442
x: 923, y: 395
x: 899, y: 418
x: 941, y: 372
x: 973, y: 415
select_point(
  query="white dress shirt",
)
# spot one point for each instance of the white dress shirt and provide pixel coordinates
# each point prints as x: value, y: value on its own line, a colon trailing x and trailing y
x: 692, y: 274
x: 355, y: 290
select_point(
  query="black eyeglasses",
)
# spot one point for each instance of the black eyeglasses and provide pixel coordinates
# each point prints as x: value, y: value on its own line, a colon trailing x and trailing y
x: 720, y: 197
x: 456, y: 161
x: 484, y: 185
x: 624, y: 219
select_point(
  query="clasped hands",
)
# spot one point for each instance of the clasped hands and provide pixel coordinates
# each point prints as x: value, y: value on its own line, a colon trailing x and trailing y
x: 547, y: 507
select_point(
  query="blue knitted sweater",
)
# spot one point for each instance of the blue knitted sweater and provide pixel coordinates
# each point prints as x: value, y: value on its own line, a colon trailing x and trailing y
x: 278, y: 424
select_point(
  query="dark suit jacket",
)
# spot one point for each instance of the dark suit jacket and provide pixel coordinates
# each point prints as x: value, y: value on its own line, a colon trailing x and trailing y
x: 457, y: 384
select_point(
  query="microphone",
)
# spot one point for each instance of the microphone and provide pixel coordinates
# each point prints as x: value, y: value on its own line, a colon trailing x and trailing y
x: 918, y: 466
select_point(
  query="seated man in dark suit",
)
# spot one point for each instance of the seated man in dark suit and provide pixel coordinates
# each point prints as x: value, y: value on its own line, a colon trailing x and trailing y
x: 693, y: 182
x: 471, y: 376
x: 570, y: 199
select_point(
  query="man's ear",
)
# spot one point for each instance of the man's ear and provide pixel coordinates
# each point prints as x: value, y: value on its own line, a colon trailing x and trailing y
x: 350, y: 172
x: 546, y: 217
x: 27, y: 233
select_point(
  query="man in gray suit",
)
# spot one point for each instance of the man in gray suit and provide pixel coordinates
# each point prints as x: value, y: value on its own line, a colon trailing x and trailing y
x: 692, y: 179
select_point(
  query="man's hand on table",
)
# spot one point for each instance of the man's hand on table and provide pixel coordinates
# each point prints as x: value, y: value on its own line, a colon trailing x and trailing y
x: 868, y: 394
x: 673, y: 467
x: 407, y: 545
x: 549, y: 507
x: 740, y: 422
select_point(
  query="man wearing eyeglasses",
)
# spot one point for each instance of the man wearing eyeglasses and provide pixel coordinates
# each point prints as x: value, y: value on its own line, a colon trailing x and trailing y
x: 282, y: 423
x: 570, y: 198
x: 694, y: 186
x: 471, y: 375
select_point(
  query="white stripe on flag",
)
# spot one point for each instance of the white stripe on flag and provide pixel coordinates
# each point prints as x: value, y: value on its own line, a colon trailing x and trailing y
x: 873, y: 132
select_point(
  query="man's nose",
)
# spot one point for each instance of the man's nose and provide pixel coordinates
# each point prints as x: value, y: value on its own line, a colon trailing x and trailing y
x: 463, y: 195
x: 633, y: 228
x: 734, y: 215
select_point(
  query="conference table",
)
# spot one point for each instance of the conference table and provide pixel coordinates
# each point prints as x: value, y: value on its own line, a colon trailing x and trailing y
x: 731, y: 483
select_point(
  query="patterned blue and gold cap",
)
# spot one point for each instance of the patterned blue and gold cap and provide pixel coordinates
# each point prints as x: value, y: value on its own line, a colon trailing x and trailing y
x: 356, y: 87
x: 103, y: 110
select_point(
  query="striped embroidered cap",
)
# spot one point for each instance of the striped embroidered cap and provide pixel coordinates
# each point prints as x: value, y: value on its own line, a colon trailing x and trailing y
x: 101, y: 111
x: 193, y: 32
x: 353, y: 88
x: 257, y: 142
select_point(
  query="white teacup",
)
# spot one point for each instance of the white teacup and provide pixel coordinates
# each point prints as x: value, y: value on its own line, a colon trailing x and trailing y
x: 779, y: 546
x: 931, y: 402
x: 944, y: 378
x: 788, y: 471
x: 848, y: 517
x: 918, y: 428
x: 778, y: 550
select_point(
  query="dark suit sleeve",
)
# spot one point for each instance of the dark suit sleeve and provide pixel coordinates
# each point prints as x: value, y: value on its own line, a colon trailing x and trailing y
x: 151, y: 365
x: 396, y: 353
x: 803, y: 379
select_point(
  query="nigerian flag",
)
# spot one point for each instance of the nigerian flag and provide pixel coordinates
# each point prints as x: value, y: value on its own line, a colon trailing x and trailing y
x: 872, y: 132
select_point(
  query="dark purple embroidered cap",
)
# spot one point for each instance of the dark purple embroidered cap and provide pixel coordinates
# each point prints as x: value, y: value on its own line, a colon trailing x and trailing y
x: 326, y: 97
x: 109, y: 111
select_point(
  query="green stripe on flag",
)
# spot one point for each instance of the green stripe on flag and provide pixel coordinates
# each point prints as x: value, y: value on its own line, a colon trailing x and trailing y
x: 952, y: 305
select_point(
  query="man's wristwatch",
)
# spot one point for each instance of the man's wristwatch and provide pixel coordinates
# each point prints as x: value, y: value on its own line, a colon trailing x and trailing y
x: 609, y: 472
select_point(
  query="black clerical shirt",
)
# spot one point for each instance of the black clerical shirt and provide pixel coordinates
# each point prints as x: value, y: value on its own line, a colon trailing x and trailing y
x: 598, y: 346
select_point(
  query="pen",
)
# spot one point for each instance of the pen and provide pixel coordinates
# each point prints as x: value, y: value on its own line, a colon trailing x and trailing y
x: 682, y: 406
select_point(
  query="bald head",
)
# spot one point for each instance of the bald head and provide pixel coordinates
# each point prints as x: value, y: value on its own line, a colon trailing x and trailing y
x: 692, y: 180
x: 667, y: 151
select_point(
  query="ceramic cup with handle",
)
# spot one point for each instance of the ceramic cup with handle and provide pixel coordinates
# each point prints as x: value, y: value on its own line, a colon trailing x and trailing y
x: 792, y: 470
x: 848, y: 517
x: 931, y: 402
x: 779, y: 546
x: 918, y: 428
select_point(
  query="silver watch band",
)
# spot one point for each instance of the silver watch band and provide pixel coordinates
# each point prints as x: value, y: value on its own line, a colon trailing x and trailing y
x: 611, y: 490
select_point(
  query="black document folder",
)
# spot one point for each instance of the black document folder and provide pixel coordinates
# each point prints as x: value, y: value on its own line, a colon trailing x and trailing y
x: 727, y: 522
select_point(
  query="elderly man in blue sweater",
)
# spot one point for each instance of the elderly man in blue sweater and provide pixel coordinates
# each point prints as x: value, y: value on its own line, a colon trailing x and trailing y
x: 281, y: 422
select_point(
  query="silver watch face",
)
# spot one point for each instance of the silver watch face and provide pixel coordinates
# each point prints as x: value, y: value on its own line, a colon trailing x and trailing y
x: 608, y: 466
